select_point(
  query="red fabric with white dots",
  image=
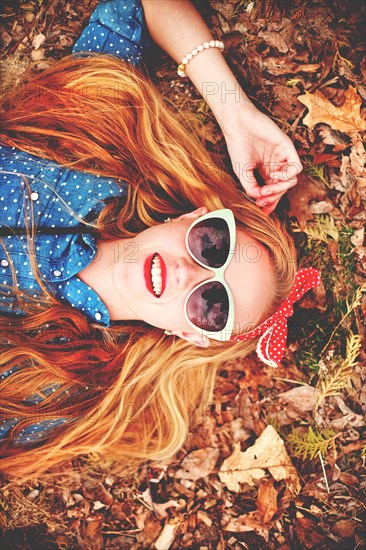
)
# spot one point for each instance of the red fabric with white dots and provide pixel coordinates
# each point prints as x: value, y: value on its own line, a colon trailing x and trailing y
x: 271, y: 345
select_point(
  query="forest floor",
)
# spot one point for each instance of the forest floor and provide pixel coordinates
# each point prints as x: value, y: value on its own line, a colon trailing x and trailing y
x: 303, y: 63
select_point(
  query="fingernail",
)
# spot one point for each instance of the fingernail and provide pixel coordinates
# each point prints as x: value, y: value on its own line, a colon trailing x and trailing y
x: 266, y: 192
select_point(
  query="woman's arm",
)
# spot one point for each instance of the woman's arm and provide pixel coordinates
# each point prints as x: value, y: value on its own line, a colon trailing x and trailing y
x: 177, y: 27
x: 254, y: 141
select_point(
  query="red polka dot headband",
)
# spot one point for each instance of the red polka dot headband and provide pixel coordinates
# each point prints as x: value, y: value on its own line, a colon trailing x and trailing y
x: 273, y: 331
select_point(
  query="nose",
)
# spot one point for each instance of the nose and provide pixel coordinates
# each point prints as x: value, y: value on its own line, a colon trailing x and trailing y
x: 189, y: 273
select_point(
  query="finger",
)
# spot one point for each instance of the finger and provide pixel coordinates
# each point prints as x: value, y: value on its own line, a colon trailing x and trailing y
x: 276, y: 188
x: 249, y: 183
x: 275, y: 172
x: 270, y: 208
x: 268, y: 201
x: 290, y: 170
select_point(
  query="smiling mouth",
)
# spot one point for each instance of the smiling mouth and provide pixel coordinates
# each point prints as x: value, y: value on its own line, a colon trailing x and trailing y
x: 155, y: 274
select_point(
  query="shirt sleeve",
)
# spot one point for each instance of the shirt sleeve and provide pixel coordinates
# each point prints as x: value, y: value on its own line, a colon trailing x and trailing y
x: 117, y: 27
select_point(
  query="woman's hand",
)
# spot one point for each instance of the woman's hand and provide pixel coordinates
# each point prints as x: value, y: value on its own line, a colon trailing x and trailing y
x: 254, y: 141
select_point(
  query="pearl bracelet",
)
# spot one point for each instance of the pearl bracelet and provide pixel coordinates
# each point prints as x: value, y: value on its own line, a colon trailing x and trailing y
x: 205, y: 46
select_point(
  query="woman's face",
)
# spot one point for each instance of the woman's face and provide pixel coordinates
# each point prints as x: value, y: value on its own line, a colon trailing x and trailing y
x: 134, y: 289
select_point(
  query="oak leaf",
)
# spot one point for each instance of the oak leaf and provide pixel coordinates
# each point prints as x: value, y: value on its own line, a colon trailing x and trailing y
x: 267, y: 453
x: 346, y: 118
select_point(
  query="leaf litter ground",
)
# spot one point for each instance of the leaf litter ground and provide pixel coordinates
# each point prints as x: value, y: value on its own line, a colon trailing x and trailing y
x: 278, y: 460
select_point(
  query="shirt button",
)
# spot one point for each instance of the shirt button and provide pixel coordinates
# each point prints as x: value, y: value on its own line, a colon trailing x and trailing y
x: 34, y: 196
x: 98, y: 316
x: 57, y: 273
x: 4, y: 263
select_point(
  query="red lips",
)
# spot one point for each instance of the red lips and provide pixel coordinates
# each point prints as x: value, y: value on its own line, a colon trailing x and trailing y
x: 147, y: 274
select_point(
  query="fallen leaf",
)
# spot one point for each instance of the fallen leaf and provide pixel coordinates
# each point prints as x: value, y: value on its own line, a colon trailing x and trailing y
x: 38, y: 41
x: 248, y: 522
x: 202, y: 516
x: 267, y: 501
x: 309, y: 536
x: 150, y: 525
x: 328, y: 159
x: 334, y: 414
x: 344, y: 528
x: 277, y: 66
x: 278, y: 35
x: 321, y: 207
x: 301, y: 196
x: 328, y: 136
x: 316, y: 488
x: 162, y: 507
x: 345, y: 119
x: 198, y: 464
x: 268, y: 452
x: 98, y: 505
x: 358, y: 237
x: 297, y: 403
x: 353, y: 170
x: 358, y: 165
x: 167, y: 536
x: 38, y: 55
x: 348, y: 479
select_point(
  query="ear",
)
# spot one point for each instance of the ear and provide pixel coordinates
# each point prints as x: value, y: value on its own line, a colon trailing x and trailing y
x: 192, y: 215
x: 193, y: 337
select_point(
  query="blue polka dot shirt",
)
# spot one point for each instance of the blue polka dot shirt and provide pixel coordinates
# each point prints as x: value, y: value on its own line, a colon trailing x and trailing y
x: 57, y: 197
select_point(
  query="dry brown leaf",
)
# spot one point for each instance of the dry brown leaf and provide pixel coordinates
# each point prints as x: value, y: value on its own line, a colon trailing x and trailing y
x: 345, y: 528
x: 358, y: 237
x: 279, y: 66
x: 297, y: 403
x: 268, y: 452
x: 38, y: 41
x: 353, y: 170
x: 306, y: 531
x: 248, y: 522
x: 345, y: 119
x: 328, y: 136
x: 301, y: 196
x: 321, y: 207
x: 278, y: 35
x: 328, y: 159
x: 267, y: 501
x: 198, y: 464
x: 335, y: 415
x: 162, y: 507
x: 167, y: 536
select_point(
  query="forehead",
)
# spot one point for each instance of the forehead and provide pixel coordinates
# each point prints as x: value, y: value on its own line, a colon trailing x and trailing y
x: 249, y: 276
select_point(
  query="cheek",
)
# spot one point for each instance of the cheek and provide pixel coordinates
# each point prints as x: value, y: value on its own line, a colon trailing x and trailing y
x: 166, y: 316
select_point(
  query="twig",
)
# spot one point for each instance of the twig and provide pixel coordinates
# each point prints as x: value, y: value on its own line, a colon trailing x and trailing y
x: 289, y: 380
x: 323, y: 468
x: 12, y: 49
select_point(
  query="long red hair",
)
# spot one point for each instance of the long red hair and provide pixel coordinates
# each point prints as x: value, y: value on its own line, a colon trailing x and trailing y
x: 129, y: 392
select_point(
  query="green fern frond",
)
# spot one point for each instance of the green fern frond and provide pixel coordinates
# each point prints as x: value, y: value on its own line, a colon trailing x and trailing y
x: 308, y: 445
x: 316, y: 171
x: 351, y: 306
x: 332, y: 382
x: 322, y: 228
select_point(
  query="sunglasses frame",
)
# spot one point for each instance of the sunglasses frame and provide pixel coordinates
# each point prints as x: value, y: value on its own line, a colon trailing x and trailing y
x: 227, y: 215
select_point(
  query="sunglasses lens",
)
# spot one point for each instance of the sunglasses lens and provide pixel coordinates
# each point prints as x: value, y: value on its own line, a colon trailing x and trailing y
x: 209, y: 242
x: 208, y: 307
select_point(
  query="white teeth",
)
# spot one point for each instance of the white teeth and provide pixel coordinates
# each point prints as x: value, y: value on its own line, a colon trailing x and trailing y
x: 156, y: 279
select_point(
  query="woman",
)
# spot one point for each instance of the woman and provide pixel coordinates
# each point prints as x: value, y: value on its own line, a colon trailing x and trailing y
x: 101, y: 300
